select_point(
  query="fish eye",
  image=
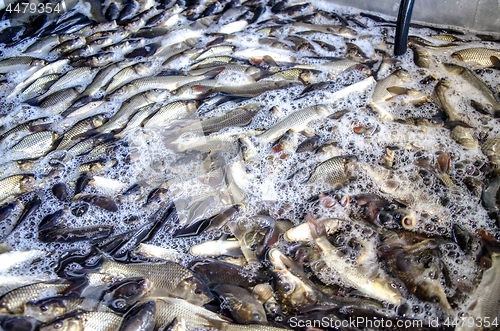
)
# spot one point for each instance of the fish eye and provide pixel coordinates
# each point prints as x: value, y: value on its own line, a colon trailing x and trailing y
x: 287, y: 287
x: 119, y: 303
x: 44, y: 308
x: 393, y: 285
x: 129, y: 294
x: 198, y: 291
x: 256, y: 316
x: 58, y: 325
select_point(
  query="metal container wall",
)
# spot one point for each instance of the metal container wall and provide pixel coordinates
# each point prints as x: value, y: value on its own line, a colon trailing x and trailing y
x: 483, y: 15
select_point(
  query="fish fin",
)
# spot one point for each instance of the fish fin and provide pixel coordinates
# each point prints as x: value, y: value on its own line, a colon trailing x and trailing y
x: 39, y: 127
x: 212, y: 73
x: 397, y: 90
x: 490, y: 242
x: 202, y: 88
x: 269, y: 61
x: 317, y: 228
x: 192, y: 229
x: 496, y: 61
x: 443, y: 163
x: 452, y: 124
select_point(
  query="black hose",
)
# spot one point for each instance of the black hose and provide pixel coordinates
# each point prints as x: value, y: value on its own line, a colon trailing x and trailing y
x: 402, y: 26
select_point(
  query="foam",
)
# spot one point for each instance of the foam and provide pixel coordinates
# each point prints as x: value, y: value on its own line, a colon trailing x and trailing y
x: 269, y: 189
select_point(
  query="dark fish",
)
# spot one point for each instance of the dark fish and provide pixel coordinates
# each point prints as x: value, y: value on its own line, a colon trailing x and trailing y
x: 60, y: 191
x: 129, y: 10
x: 217, y: 272
x: 100, y: 201
x: 243, y: 306
x: 29, y: 209
x: 18, y: 323
x: 141, y: 317
x: 168, y: 278
x: 123, y: 294
x: 69, y: 235
x: 113, y: 12
x: 210, y: 224
x: 82, y: 182
x: 309, y: 144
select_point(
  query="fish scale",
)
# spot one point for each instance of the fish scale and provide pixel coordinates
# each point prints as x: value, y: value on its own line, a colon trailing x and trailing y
x: 479, y: 55
x: 176, y: 109
x: 24, y: 127
x: 13, y: 185
x: 81, y: 127
x: 129, y: 106
x: 70, y: 77
x: 297, y: 121
x: 333, y: 170
x: 163, y: 82
x: 40, y: 83
x: 34, y: 145
x: 128, y: 74
x: 166, y: 276
x: 167, y: 309
x: 61, y: 98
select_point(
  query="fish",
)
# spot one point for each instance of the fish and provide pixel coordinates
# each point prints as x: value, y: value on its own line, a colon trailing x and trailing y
x: 141, y: 317
x: 13, y: 301
x: 181, y: 281
x: 439, y: 97
x: 483, y: 303
x: 243, y: 307
x: 215, y: 272
x: 48, y: 309
x: 490, y: 148
x: 421, y: 56
x: 123, y: 294
x: 103, y: 321
x: 479, y: 55
x: 11, y: 259
x: 381, y: 94
x: 216, y: 248
x: 378, y: 287
x: 168, y: 309
x: 421, y: 280
x: 15, y: 185
x: 334, y: 171
x: 477, y: 85
x: 297, y: 121
x: 292, y: 289
x: 160, y: 156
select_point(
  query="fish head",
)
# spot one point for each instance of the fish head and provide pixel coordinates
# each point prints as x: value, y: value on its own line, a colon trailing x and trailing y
x: 99, y: 120
x: 125, y: 293
x: 253, y: 313
x: 322, y: 110
x: 66, y: 324
x: 142, y: 67
x: 194, y: 290
x: 386, y: 291
x: 46, y: 309
x: 402, y: 74
x: 453, y: 68
x: 347, y: 32
x: 122, y: 92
